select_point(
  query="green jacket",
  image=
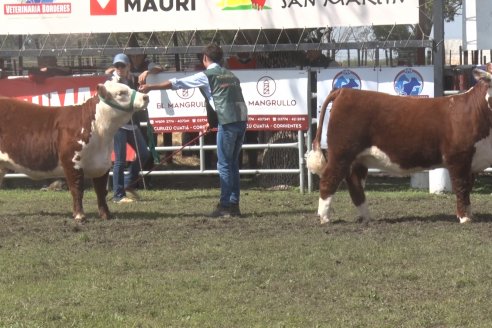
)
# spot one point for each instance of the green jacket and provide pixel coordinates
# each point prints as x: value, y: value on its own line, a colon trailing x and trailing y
x: 227, y: 95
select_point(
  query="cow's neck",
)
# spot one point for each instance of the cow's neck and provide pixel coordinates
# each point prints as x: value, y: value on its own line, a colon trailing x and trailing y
x: 106, y: 123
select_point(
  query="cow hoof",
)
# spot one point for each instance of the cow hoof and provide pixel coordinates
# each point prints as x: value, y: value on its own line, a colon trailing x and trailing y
x: 465, y: 219
x: 105, y: 215
x: 79, y: 218
x: 324, y: 219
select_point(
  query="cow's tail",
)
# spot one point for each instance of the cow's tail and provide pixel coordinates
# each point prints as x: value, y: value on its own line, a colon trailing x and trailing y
x: 315, y: 159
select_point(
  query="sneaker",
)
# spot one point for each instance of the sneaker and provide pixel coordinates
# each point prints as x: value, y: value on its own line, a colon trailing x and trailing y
x: 132, y: 194
x: 123, y: 200
x: 235, y: 211
x: 221, y: 212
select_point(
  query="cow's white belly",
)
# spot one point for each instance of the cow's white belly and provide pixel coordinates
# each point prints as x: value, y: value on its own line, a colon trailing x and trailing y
x: 8, y: 163
x: 94, y: 159
x: 482, y: 158
x: 374, y: 157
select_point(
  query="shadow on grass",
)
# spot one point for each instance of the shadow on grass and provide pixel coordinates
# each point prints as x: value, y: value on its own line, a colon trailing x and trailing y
x: 385, y: 183
x: 477, y: 218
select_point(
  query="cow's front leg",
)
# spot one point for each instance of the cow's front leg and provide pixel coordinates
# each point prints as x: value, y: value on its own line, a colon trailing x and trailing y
x: 75, y: 182
x: 100, y: 187
x: 462, y: 182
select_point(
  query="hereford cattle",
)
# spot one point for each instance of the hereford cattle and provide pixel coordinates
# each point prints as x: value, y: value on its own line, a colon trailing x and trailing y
x: 74, y: 142
x: 401, y: 135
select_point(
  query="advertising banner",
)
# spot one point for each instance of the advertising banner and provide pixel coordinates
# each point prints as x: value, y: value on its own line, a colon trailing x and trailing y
x: 405, y: 82
x: 113, y: 16
x: 410, y: 81
x: 53, y: 91
x: 276, y: 100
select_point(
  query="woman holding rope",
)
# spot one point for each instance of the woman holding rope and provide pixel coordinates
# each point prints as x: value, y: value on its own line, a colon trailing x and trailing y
x: 124, y: 186
x: 223, y: 96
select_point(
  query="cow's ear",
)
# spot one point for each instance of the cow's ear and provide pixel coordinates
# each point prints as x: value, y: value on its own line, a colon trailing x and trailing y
x: 481, y: 74
x: 101, y: 91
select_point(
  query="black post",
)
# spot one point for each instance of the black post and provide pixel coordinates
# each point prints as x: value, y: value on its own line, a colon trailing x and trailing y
x: 20, y: 42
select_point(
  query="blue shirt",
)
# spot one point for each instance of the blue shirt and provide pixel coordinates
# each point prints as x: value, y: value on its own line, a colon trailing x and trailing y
x: 198, y: 80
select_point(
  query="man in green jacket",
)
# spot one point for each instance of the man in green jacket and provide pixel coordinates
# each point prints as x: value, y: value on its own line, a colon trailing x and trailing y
x: 226, y: 110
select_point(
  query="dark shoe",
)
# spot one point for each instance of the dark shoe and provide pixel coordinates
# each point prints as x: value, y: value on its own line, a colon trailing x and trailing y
x: 221, y: 212
x: 235, y: 211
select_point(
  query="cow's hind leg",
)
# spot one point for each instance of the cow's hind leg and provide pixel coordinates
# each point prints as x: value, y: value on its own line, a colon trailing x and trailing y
x: 100, y: 187
x: 355, y: 183
x: 332, y: 175
x: 462, y: 182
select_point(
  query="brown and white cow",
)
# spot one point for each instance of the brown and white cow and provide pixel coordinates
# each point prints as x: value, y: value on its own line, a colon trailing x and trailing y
x: 401, y: 135
x: 74, y: 142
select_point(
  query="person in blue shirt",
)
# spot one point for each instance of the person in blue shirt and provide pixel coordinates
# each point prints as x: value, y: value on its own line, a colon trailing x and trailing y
x: 226, y: 110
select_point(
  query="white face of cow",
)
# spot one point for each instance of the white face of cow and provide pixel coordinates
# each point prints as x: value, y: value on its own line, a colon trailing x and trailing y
x: 480, y: 74
x: 121, y: 97
x: 117, y: 104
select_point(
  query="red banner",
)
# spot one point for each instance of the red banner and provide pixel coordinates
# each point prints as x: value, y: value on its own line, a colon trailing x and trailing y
x: 52, y: 91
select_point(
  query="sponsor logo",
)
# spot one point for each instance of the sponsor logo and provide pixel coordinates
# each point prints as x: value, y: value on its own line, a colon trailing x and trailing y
x: 103, y: 7
x: 243, y: 5
x: 408, y: 82
x: 185, y: 93
x: 37, y: 7
x: 346, y: 79
x: 266, y: 86
x: 156, y: 5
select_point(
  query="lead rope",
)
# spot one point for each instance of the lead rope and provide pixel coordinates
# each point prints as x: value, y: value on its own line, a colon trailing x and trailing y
x: 138, y: 156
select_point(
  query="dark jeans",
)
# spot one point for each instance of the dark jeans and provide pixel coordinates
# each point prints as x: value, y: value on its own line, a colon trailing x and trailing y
x: 230, y: 139
x: 136, y: 140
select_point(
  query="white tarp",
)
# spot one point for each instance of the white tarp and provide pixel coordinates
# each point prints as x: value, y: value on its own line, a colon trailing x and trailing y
x: 476, y: 24
x: 108, y: 16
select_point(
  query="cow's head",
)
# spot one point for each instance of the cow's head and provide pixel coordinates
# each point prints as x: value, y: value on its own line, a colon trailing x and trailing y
x: 485, y: 76
x: 122, y: 97
x: 117, y: 103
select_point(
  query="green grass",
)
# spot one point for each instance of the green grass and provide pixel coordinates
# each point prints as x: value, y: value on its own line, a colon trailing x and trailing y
x: 163, y: 263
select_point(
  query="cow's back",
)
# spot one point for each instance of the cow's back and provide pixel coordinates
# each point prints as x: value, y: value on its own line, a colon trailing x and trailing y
x: 409, y: 130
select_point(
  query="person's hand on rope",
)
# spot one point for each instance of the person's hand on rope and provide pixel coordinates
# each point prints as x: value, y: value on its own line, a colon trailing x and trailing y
x: 142, y: 77
x: 145, y: 88
x: 206, y: 128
